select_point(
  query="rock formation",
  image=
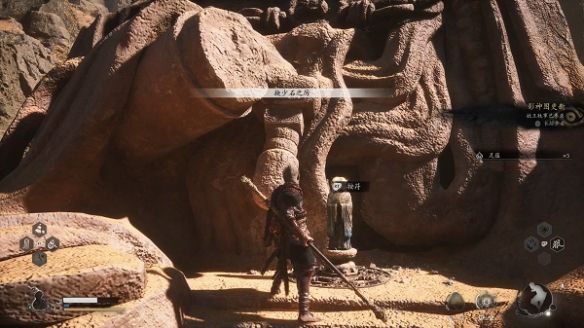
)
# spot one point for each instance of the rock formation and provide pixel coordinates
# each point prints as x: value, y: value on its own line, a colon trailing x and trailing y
x: 127, y: 131
x: 140, y: 116
x: 24, y: 61
x: 96, y: 256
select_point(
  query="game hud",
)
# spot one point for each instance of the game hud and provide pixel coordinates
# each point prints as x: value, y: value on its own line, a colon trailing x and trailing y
x: 292, y: 163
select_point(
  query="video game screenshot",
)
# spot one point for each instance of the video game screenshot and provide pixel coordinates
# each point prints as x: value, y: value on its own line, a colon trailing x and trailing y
x: 292, y: 163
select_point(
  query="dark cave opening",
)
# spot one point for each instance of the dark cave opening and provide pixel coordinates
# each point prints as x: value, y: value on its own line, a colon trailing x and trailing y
x: 446, y: 169
x: 364, y: 237
x: 15, y: 143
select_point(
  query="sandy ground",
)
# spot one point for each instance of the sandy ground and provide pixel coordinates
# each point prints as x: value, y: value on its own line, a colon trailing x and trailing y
x: 229, y: 292
x: 413, y: 297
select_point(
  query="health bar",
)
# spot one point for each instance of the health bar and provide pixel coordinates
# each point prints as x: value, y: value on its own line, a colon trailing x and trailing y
x: 91, y: 302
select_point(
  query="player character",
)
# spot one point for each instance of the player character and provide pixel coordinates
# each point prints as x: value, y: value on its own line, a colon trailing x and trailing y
x: 287, y: 228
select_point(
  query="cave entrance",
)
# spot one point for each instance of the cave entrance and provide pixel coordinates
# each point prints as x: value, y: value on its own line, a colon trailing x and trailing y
x: 363, y: 236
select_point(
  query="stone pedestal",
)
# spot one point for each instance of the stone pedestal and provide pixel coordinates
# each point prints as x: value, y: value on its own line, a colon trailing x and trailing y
x: 342, y: 259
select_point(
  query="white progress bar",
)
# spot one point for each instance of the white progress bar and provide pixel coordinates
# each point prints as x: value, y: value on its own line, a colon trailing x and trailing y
x: 81, y: 300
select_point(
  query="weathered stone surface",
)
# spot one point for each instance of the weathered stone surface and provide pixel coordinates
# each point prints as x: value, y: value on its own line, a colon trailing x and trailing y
x: 420, y: 163
x: 446, y: 191
x: 9, y: 24
x: 23, y: 61
x: 30, y: 116
x: 18, y: 8
x: 569, y: 295
x: 92, y: 270
x: 96, y: 257
x: 114, y: 5
x: 174, y: 68
x: 164, y: 293
x: 86, y: 11
x: 255, y: 61
x: 55, y: 23
x: 65, y: 10
x: 128, y: 135
x: 50, y: 30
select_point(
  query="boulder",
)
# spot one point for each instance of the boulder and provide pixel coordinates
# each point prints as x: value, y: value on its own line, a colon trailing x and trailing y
x: 56, y: 24
x: 65, y: 10
x: 158, y: 307
x: 18, y: 8
x: 115, y: 5
x: 30, y: 116
x: 92, y: 270
x: 96, y: 257
x: 23, y: 60
x: 9, y: 24
x: 92, y: 8
x: 76, y: 229
x: 49, y: 28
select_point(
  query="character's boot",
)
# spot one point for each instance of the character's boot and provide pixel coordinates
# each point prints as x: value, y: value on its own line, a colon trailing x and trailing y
x: 303, y: 284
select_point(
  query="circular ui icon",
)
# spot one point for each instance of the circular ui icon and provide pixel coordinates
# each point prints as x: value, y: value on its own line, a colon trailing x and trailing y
x: 534, y: 300
x: 485, y: 301
x: 454, y: 302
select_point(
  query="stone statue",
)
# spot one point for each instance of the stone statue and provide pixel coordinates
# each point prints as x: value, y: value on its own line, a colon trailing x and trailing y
x: 339, y: 218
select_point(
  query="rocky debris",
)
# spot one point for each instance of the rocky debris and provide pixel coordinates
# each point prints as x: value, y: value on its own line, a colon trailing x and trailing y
x: 56, y: 24
x: 115, y: 5
x: 32, y: 60
x: 9, y: 24
x: 18, y: 8
x: 50, y: 30
x: 23, y: 61
x: 66, y: 11
x: 86, y: 11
